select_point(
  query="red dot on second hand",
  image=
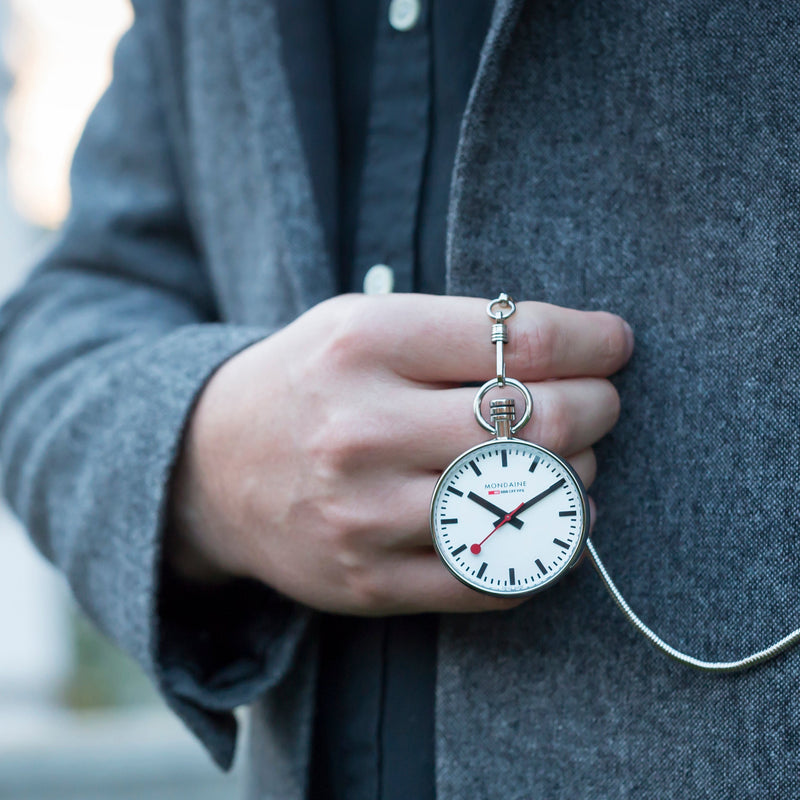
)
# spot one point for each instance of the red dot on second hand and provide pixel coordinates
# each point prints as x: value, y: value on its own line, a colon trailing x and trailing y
x: 475, y: 549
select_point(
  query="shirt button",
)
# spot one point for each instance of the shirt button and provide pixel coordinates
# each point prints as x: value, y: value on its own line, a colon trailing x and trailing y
x: 403, y: 14
x: 379, y: 280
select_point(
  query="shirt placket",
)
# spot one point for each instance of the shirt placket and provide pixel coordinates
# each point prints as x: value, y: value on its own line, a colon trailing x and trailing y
x: 397, y: 140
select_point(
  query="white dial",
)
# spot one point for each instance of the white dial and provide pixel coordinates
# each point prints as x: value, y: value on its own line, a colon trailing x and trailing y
x: 509, y: 517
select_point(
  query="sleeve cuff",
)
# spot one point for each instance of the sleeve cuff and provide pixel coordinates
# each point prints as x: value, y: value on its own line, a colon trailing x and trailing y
x: 214, y: 648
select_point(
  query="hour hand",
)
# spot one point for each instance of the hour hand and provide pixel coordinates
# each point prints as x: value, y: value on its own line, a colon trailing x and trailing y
x: 476, y: 498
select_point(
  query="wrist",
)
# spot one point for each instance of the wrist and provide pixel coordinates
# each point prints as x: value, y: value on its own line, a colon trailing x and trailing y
x: 184, y: 550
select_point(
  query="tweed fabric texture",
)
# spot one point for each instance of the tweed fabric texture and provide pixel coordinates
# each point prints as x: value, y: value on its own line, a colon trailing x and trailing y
x: 643, y: 158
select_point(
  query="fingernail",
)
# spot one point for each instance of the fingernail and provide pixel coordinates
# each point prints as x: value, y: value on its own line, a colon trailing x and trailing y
x: 629, y: 334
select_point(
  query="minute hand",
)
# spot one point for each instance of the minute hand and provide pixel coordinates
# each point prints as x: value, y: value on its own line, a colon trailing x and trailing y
x: 549, y: 490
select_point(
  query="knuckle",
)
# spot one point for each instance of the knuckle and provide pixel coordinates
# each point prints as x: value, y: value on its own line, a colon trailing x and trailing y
x: 327, y: 444
x: 556, y: 426
x: 367, y: 590
x: 343, y: 535
x: 338, y: 307
x: 347, y: 328
x: 540, y: 342
x: 353, y: 556
x: 331, y: 520
x: 342, y: 538
x: 346, y: 441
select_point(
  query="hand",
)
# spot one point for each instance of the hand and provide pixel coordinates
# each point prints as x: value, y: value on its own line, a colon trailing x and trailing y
x: 475, y: 549
x: 523, y: 506
x: 476, y: 498
x: 311, y: 456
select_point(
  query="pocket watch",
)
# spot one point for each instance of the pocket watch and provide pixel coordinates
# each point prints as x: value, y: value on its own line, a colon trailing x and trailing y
x: 508, y: 517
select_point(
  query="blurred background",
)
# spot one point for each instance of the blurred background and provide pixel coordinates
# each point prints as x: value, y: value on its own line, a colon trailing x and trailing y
x: 77, y: 718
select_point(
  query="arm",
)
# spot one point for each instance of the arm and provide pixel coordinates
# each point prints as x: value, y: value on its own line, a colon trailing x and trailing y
x: 102, y: 355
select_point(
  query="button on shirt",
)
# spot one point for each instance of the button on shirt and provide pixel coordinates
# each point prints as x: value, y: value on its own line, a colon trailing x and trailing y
x: 403, y: 73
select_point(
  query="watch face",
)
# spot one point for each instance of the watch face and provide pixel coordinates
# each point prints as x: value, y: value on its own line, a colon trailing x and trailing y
x: 509, y: 517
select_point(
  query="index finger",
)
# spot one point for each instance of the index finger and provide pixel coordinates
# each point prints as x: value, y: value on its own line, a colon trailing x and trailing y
x: 448, y: 339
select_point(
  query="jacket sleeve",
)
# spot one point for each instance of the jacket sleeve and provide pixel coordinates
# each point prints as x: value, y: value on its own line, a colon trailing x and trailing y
x: 103, y: 353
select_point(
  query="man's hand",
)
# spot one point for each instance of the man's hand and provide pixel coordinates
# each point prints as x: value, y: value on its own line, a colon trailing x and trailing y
x: 311, y: 456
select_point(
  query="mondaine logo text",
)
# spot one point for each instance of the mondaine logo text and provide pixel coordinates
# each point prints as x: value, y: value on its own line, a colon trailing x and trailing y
x: 506, y: 487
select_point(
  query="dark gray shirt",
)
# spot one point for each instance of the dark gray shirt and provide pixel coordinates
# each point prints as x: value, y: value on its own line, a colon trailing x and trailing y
x: 400, y: 96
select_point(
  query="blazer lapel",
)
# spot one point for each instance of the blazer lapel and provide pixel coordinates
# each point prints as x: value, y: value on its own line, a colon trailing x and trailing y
x: 463, y: 275
x: 274, y: 117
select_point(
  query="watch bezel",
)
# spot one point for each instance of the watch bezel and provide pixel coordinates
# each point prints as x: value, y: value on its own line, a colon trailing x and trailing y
x: 583, y: 535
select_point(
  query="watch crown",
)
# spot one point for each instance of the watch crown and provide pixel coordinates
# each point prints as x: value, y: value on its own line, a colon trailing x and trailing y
x: 503, y: 413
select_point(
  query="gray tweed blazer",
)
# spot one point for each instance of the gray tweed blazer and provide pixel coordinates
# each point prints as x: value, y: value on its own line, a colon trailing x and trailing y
x: 639, y: 156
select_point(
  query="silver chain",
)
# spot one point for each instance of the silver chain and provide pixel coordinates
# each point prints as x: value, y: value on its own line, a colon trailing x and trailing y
x: 500, y: 337
x: 754, y: 659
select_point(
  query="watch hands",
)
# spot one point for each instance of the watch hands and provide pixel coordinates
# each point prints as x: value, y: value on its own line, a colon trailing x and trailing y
x: 475, y: 549
x: 549, y: 490
x: 476, y: 498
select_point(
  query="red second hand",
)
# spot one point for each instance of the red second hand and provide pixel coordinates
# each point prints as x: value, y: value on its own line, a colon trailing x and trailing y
x: 475, y: 549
